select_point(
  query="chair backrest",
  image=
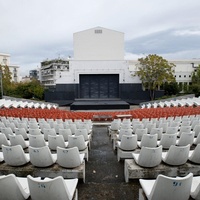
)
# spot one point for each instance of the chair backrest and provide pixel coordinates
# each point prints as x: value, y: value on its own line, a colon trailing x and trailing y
x: 139, y: 125
x: 124, y: 132
x: 41, y: 156
x: 10, y: 188
x: 7, y: 131
x: 172, y: 130
x: 34, y: 131
x: 149, y: 126
x: 186, y: 138
x: 14, y: 155
x: 149, y: 140
x: 128, y: 142
x: 56, y: 141
x: 197, y: 140
x: 157, y: 131
x: 23, y: 125
x: 47, y: 132
x: 83, y: 132
x: 65, y: 133
x: 185, y: 129
x: 4, y: 140
x: 196, y: 130
x: 177, y: 155
x: 68, y: 158
x: 115, y: 125
x: 18, y: 140
x: 50, y: 189
x: 167, y: 140
x: 37, y: 140
x: 140, y: 132
x: 125, y: 126
x: 194, y: 157
x: 73, y: 128
x: 163, y: 125
x: 21, y: 131
x: 33, y: 125
x: 172, y: 188
x: 150, y: 156
x: 77, y: 141
x: 58, y: 126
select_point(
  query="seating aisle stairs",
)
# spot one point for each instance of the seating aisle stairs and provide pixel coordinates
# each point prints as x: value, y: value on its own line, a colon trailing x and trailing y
x: 104, y: 174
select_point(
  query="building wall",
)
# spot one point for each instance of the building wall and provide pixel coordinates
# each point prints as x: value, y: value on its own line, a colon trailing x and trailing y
x: 98, y: 44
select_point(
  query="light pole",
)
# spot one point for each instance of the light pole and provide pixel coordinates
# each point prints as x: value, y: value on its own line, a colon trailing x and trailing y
x: 1, y: 77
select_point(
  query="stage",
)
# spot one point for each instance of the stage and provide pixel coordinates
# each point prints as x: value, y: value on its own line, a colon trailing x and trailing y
x: 99, y: 104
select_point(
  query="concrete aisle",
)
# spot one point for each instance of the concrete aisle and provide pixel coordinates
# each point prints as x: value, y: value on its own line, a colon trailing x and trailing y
x: 104, y: 175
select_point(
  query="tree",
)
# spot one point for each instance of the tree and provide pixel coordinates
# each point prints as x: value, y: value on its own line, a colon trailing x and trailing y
x: 153, y: 71
x: 195, y: 85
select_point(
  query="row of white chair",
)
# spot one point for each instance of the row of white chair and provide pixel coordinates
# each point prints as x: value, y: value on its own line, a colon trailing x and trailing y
x: 12, y: 187
x: 42, y: 156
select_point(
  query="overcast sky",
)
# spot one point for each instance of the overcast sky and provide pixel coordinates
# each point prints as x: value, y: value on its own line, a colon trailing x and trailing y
x: 33, y: 30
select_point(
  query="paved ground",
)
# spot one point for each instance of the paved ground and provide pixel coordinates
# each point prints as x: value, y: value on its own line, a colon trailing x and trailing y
x: 104, y: 174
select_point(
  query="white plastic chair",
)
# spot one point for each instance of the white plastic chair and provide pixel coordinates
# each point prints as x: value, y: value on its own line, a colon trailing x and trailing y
x: 7, y: 131
x: 42, y: 156
x: 126, y: 146
x: 65, y: 133
x: 167, y: 140
x: 18, y: 140
x: 140, y: 132
x: 197, y: 140
x: 196, y: 130
x: 52, y: 189
x: 158, y: 131
x: 194, y: 155
x: 172, y: 130
x: 12, y: 187
x: 84, y: 132
x: 185, y: 138
x: 69, y: 158
x: 185, y: 129
x: 195, y: 189
x: 14, y: 155
x: 148, y: 157
x: 34, y: 131
x: 139, y: 125
x: 79, y: 141
x: 37, y: 141
x: 4, y: 140
x: 148, y: 141
x: 177, y: 155
x: 56, y: 141
x: 165, y: 188
x: 21, y: 131
x: 47, y: 132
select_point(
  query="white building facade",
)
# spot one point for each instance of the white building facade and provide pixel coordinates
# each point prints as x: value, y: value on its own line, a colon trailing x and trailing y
x: 14, y: 69
x: 99, y: 71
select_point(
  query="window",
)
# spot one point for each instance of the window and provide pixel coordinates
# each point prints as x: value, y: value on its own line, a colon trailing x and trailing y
x: 98, y: 31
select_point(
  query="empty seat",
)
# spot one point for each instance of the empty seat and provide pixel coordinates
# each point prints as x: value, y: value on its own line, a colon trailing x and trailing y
x: 172, y: 130
x: 21, y: 131
x: 148, y: 157
x: 7, y: 131
x: 140, y: 132
x: 18, y: 140
x: 14, y: 155
x: 167, y: 140
x: 34, y: 131
x: 157, y: 131
x: 148, y: 141
x: 65, y: 133
x: 41, y: 156
x: 84, y: 132
x: 196, y: 140
x: 47, y: 132
x: 195, y: 189
x: 185, y: 129
x: 139, y: 125
x: 4, y: 140
x: 37, y: 141
x: 194, y: 155
x: 177, y: 155
x: 12, y: 187
x: 196, y: 130
x: 185, y: 138
x: 79, y: 141
x: 51, y: 189
x: 69, y: 158
x: 56, y: 141
x: 126, y: 146
x: 164, y: 187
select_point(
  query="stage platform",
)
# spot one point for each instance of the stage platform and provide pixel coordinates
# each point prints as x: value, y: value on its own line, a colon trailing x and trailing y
x: 99, y: 104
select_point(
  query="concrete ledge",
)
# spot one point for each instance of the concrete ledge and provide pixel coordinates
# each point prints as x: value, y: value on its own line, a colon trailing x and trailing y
x: 51, y: 172
x: 134, y: 171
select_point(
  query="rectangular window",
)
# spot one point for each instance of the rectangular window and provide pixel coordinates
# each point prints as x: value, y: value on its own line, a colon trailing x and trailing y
x: 98, y: 31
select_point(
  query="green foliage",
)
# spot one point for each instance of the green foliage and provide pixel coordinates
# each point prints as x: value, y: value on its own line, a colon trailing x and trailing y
x: 195, y: 85
x: 153, y: 71
x: 171, y: 88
